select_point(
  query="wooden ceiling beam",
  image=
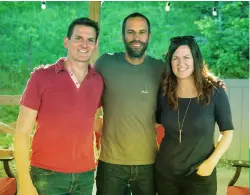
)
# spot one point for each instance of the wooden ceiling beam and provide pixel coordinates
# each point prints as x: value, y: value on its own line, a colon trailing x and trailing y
x: 95, y: 14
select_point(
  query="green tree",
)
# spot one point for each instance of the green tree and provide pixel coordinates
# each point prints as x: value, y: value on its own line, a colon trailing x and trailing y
x: 227, y: 41
x: 30, y: 36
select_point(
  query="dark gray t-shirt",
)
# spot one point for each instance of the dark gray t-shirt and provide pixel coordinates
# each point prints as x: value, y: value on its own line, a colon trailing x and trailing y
x: 129, y: 105
x: 178, y: 159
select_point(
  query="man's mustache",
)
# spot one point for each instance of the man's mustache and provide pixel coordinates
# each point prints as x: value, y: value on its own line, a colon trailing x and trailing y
x: 132, y: 42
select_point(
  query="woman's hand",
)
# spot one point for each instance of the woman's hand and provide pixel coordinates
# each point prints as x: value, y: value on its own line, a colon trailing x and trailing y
x: 206, y: 168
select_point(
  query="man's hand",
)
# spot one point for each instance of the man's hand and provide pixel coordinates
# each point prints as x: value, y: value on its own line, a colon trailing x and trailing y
x: 28, y: 190
x: 41, y: 66
x: 206, y: 168
x: 221, y: 83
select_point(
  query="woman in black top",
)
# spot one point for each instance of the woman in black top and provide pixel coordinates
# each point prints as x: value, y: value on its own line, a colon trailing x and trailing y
x: 189, y: 104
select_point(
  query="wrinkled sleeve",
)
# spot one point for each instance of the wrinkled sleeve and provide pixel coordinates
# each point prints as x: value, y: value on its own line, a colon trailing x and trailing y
x: 31, y: 96
x: 100, y: 101
x: 223, y: 115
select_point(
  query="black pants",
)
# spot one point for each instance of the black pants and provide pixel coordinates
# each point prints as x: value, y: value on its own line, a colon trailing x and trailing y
x: 112, y: 179
x: 192, y: 184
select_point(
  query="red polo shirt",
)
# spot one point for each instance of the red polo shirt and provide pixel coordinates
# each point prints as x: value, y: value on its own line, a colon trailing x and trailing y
x: 63, y: 140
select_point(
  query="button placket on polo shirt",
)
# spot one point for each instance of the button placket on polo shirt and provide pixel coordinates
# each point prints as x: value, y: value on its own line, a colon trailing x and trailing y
x: 73, y: 77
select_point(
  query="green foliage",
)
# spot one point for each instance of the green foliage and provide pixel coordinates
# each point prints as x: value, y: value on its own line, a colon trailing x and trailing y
x: 226, y: 47
x: 164, y: 25
x: 30, y: 36
x: 223, y: 39
x: 5, y: 140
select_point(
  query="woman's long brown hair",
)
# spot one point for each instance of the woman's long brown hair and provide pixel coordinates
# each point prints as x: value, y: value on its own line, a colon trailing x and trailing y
x: 204, y: 80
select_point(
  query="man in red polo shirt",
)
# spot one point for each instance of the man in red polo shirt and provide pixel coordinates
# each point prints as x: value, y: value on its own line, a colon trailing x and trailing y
x: 62, y: 100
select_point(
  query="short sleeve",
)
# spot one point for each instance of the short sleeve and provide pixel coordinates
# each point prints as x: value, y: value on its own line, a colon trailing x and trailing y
x: 159, y: 106
x: 98, y: 68
x: 223, y: 114
x: 31, y: 96
x: 100, y: 101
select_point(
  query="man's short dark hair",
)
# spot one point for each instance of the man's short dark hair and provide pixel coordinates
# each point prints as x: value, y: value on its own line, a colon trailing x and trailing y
x: 134, y: 15
x: 83, y: 21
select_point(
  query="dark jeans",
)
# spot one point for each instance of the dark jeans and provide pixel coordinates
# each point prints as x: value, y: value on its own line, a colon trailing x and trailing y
x: 127, y: 190
x: 113, y: 179
x: 192, y: 184
x: 49, y: 182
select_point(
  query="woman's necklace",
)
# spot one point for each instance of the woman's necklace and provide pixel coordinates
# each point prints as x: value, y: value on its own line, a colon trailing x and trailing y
x: 181, y: 125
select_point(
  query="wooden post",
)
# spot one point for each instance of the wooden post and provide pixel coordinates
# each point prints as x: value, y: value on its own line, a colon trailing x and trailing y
x: 94, y: 14
x: 95, y: 10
